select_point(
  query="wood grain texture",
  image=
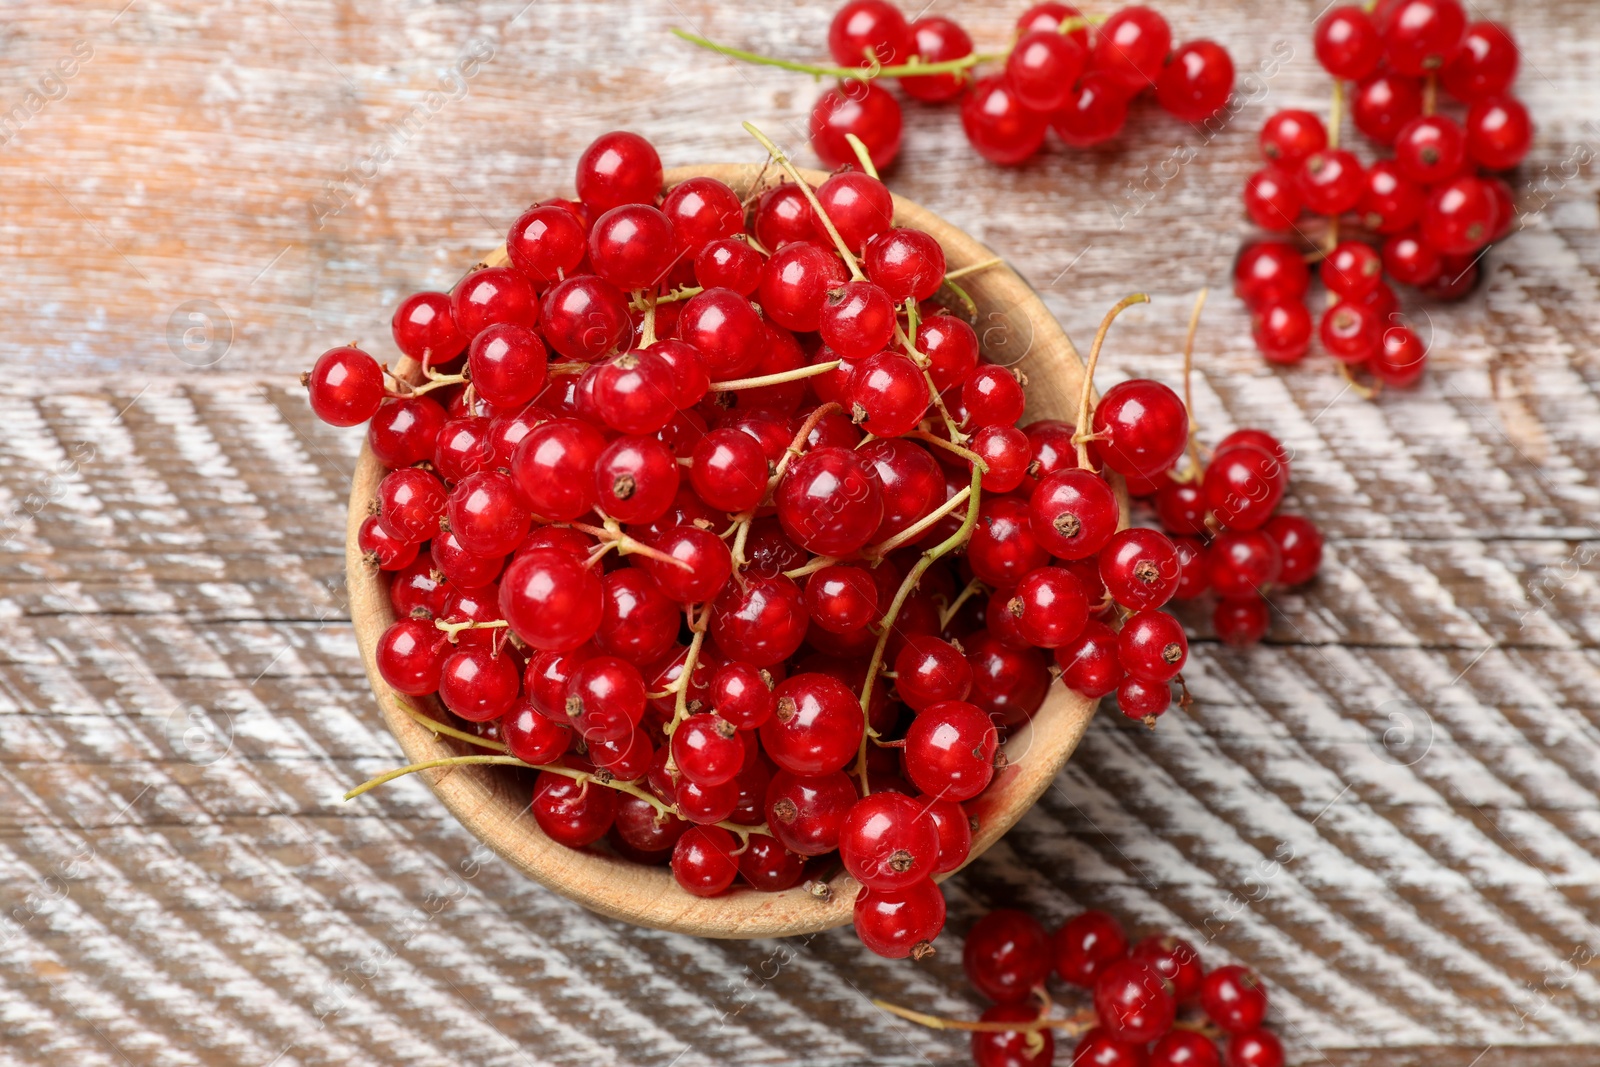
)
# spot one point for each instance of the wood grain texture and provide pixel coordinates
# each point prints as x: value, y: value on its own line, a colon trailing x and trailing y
x: 1389, y: 808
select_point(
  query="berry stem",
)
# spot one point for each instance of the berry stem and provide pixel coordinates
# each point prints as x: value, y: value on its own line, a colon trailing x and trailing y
x: 948, y: 66
x: 816, y: 564
x: 611, y: 535
x: 962, y: 272
x: 685, y: 292
x: 1188, y: 368
x: 452, y: 630
x: 886, y: 627
x: 440, y: 728
x: 448, y: 761
x: 774, y: 379
x: 1075, y: 1024
x: 1081, y: 437
x: 811, y: 197
x: 691, y: 660
x: 918, y: 528
x: 972, y: 589
x: 965, y: 453
x: 862, y: 155
x: 1430, y: 94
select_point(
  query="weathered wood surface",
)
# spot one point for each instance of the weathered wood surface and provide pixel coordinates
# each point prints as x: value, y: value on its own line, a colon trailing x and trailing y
x: 1389, y: 809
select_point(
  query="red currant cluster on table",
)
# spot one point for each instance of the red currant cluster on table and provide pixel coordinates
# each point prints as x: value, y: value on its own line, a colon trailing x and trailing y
x: 1145, y: 997
x: 1227, y: 535
x: 1426, y: 213
x: 660, y: 547
x: 1061, y: 72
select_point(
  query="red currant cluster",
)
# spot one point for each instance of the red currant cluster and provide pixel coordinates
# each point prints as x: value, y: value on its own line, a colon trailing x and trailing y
x: 1138, y: 992
x: 1430, y: 209
x: 1062, y: 72
x: 660, y: 548
x: 1226, y: 535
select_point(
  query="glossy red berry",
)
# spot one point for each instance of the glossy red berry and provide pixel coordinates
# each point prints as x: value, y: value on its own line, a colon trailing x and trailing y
x: 929, y: 671
x: 1089, y: 664
x: 1459, y: 217
x: 424, y: 328
x: 1050, y: 607
x: 998, y: 125
x: 863, y: 108
x: 487, y: 515
x: 633, y: 246
x: 1073, y: 513
x: 1270, y: 272
x: 950, y: 750
x: 585, y: 318
x: 1411, y: 260
x: 1099, y: 1049
x: 1243, y: 484
x: 768, y: 866
x: 1331, y: 181
x: 1007, y: 954
x: 1234, y: 999
x: 1390, y: 203
x: 1004, y: 546
x: 1289, y: 136
x: 551, y: 600
x: 410, y: 655
x: 1347, y: 43
x: 1243, y: 563
x: 1282, y: 331
x: 859, y: 206
x: 1241, y: 622
x: 493, y: 296
x: 864, y: 32
x: 888, y: 842
x: 1142, y: 700
x: 816, y: 726
x: 1384, y: 103
x: 573, y: 813
x: 729, y: 264
x: 1133, y: 1001
x: 858, y: 319
x: 1176, y: 961
x: 1422, y: 36
x: 951, y: 347
x: 829, y: 502
x: 1141, y: 427
x: 1353, y: 269
x: 1131, y: 46
x: 1196, y: 82
x: 605, y: 698
x: 898, y: 922
x: 935, y: 39
x: 1273, y: 199
x: 345, y: 387
x: 1140, y: 568
x: 1299, y: 546
x: 795, y: 282
x: 707, y: 750
x: 1043, y: 67
x: 1014, y: 1048
x: 807, y: 812
x: 1184, y: 1048
x: 992, y: 396
x: 1499, y: 132
x: 547, y: 243
x: 702, y: 210
x: 410, y: 502
x: 1086, y: 945
x: 1152, y: 646
x: 762, y: 623
x: 1255, y: 1048
x: 635, y: 479
x: 1485, y: 66
x: 478, y: 683
x: 1401, y: 359
x: 405, y: 431
x: 618, y: 168
x: 1095, y: 113
x: 905, y: 264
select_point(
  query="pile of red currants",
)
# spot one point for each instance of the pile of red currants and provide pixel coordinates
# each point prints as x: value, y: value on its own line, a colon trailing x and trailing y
x: 1062, y: 72
x: 669, y: 491
x: 1138, y: 993
x: 1427, y: 213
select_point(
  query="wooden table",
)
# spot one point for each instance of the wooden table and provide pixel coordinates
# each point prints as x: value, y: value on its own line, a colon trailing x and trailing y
x: 1389, y: 809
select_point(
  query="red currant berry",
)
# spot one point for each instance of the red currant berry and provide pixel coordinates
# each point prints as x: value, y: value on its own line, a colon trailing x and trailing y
x: 1196, y: 82
x: 998, y: 125
x: 1351, y: 331
x: 553, y: 468
x: 1353, y: 269
x: 410, y: 656
x: 858, y: 319
x: 807, y: 813
x: 572, y: 813
x: 1485, y: 66
x: 935, y: 39
x: 859, y: 207
x: 1042, y: 69
x: 1234, y: 999
x: 1004, y: 547
x: 636, y: 393
x: 729, y: 264
x: 1073, y: 514
x: 1423, y: 36
x: 1244, y: 484
x: 633, y: 246
x: 816, y: 727
x: 905, y: 264
x: 762, y: 623
x: 841, y: 599
x: 1282, y: 331
x: 703, y: 568
x: 829, y: 502
x: 1459, y: 216
x: 1086, y: 945
x: 742, y: 694
x: 1131, y: 46
x: 1273, y: 199
x: 424, y: 328
x: 1289, y: 136
x: 992, y: 396
x: 864, y: 32
x: 1347, y: 43
x: 462, y: 567
x: 493, y: 296
x: 951, y: 347
x: 950, y: 750
x: 1255, y: 1048
x: 643, y: 834
x: 910, y: 479
x: 1299, y: 545
x: 897, y: 923
x: 768, y: 866
x: 1007, y: 955
x: 1152, y: 647
x: 1050, y: 607
x: 1410, y: 260
x: 1331, y: 182
x: 551, y: 600
x: 1049, y: 16
x: 888, y: 841
x: 1005, y: 450
x: 1241, y: 622
x: 1176, y: 961
x: 605, y: 698
x: 1384, y: 103
x: 346, y: 387
x: 795, y: 284
x: 1270, y: 272
x: 1499, y: 132
x: 585, y: 318
x: 1089, y: 664
x: 547, y: 243
x: 1099, y: 1049
x: 1095, y: 113
x: 1391, y: 202
x: 1401, y: 360
x: 863, y: 108
x: 507, y: 363
x: 1181, y: 507
x: 405, y: 431
x: 1133, y: 1001
x: 1243, y: 563
x: 635, y: 479
x: 1141, y: 427
x: 618, y: 168
x: 729, y: 470
x: 487, y: 515
x: 532, y: 736
x: 477, y: 683
x: 463, y: 448
x: 702, y: 210
x: 410, y: 502
x: 1140, y: 568
x: 1014, y: 1048
x: 726, y: 330
x: 707, y: 749
x: 638, y: 621
x: 929, y: 671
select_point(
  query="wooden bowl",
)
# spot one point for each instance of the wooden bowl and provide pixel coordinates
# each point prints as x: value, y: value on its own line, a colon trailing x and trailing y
x: 1012, y: 324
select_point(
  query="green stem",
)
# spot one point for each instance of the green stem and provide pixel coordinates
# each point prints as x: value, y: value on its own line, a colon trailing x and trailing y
x: 777, y: 378
x: 811, y: 197
x: 903, y: 70
x: 1080, y: 434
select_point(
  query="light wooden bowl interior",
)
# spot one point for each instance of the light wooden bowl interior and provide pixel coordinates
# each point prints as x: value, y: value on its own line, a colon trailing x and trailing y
x: 1015, y: 329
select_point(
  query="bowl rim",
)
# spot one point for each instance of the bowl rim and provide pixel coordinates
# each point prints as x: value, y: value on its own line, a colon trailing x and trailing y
x: 484, y: 799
